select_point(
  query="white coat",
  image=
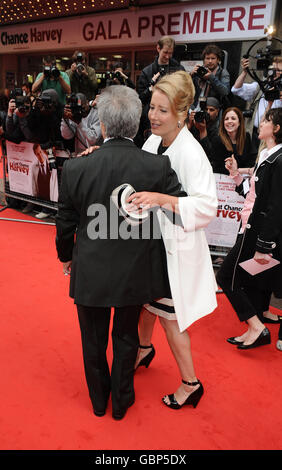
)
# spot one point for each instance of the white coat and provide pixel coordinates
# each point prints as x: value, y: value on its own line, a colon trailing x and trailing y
x: 190, y: 270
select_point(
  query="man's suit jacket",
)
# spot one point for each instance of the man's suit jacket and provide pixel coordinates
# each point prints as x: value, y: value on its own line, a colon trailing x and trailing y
x: 107, y: 271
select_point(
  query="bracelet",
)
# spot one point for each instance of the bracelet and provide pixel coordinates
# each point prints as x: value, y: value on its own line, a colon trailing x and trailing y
x: 152, y: 83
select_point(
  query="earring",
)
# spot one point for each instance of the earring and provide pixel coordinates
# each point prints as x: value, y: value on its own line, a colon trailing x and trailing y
x: 178, y: 124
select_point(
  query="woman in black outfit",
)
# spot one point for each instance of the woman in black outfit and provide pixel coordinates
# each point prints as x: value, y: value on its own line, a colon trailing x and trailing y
x: 260, y: 238
x: 232, y: 139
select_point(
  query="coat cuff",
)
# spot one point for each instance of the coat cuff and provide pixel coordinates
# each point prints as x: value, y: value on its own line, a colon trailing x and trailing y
x: 264, y: 247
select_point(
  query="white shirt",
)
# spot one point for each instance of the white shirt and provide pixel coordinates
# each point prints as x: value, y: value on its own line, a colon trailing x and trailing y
x: 247, y: 92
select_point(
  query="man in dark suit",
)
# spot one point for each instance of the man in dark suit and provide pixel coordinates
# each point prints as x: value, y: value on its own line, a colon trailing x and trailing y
x: 111, y: 262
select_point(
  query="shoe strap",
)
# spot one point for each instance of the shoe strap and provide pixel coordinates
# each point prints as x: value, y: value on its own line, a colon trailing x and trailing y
x: 145, y: 347
x: 191, y: 383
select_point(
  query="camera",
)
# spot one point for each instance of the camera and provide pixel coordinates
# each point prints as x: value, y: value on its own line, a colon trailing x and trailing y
x: 271, y: 83
x: 162, y: 71
x: 22, y: 103
x: 52, y: 71
x: 51, y: 160
x: 201, y: 72
x: 202, y: 115
x: 248, y: 113
x: 76, y: 108
x: 79, y: 65
x: 43, y: 103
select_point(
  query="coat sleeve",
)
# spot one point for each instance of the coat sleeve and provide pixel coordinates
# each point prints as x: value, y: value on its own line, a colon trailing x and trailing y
x: 197, y: 179
x: 67, y: 220
x: 271, y: 227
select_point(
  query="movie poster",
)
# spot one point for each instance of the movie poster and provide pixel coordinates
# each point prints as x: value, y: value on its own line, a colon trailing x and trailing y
x: 223, y: 229
x: 30, y: 172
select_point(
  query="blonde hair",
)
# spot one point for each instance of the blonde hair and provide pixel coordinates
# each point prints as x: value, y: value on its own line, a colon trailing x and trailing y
x: 179, y: 89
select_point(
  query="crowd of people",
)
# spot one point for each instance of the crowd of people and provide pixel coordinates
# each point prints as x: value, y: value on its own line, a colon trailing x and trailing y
x: 156, y: 149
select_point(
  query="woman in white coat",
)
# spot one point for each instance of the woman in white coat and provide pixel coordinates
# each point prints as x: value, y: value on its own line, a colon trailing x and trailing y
x: 190, y: 270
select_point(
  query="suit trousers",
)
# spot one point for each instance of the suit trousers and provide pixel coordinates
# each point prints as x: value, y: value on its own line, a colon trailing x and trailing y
x: 94, y: 326
x: 245, y: 296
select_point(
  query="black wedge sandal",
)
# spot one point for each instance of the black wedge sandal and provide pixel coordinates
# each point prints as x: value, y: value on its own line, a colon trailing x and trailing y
x: 146, y: 361
x: 193, y: 399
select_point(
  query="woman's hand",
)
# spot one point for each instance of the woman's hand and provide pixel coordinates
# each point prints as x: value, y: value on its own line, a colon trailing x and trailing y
x: 231, y: 165
x: 144, y: 200
x: 262, y: 258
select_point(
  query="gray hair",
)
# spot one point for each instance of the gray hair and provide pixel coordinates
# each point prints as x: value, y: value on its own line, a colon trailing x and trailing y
x: 119, y: 109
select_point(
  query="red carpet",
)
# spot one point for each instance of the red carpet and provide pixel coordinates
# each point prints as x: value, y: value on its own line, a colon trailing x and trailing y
x: 44, y: 400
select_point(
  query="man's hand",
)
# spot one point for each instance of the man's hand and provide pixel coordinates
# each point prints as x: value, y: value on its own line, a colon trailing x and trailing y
x: 67, y: 268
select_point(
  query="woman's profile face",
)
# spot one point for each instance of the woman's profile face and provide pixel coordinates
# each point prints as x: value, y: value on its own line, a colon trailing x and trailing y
x: 163, y: 120
x: 231, y: 122
x: 266, y: 129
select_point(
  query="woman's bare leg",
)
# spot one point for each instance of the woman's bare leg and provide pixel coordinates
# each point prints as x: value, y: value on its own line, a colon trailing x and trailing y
x: 180, y: 346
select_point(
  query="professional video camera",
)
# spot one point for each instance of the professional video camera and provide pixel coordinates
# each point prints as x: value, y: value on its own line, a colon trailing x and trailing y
x: 203, y: 115
x: 52, y: 71
x: 270, y: 81
x: 22, y: 102
x: 75, y: 104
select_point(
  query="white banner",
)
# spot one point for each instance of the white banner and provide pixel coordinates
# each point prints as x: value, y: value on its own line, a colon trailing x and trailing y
x: 29, y: 172
x: 185, y: 22
x: 223, y: 229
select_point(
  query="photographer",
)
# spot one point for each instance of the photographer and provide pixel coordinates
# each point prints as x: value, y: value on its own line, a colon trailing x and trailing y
x: 82, y: 77
x: 162, y: 65
x: 252, y: 93
x: 211, y: 79
x: 81, y: 120
x: 52, y: 78
x: 118, y: 77
x: 17, y: 129
x: 204, y: 124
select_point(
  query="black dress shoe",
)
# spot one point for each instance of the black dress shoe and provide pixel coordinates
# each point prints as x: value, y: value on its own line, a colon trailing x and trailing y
x: 232, y: 340
x: 119, y: 414
x: 146, y: 361
x: 262, y: 339
x: 99, y: 413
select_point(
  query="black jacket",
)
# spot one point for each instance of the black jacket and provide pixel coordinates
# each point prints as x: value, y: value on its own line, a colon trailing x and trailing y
x: 218, y: 154
x: 144, y: 83
x: 264, y: 227
x: 109, y: 270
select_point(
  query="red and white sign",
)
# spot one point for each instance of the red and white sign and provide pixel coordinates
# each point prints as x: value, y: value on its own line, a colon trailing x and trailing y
x: 185, y: 22
x: 223, y: 229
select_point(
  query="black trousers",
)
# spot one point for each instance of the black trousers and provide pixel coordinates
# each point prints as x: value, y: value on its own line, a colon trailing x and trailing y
x: 245, y: 296
x: 94, y: 326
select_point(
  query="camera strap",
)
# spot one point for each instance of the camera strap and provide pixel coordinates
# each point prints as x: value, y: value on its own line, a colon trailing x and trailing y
x: 75, y: 134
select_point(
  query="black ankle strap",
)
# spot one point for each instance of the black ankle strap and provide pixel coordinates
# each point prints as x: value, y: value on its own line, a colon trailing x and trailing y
x: 145, y: 347
x: 191, y: 383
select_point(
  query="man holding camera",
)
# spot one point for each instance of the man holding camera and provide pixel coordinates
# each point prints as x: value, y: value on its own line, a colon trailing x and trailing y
x: 82, y: 77
x: 52, y: 78
x: 16, y: 123
x: 252, y: 92
x: 80, y: 120
x: 162, y: 65
x: 211, y: 79
x: 204, y: 124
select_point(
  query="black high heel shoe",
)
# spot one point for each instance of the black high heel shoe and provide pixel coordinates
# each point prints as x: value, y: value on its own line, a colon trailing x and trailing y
x: 193, y: 399
x: 146, y: 361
